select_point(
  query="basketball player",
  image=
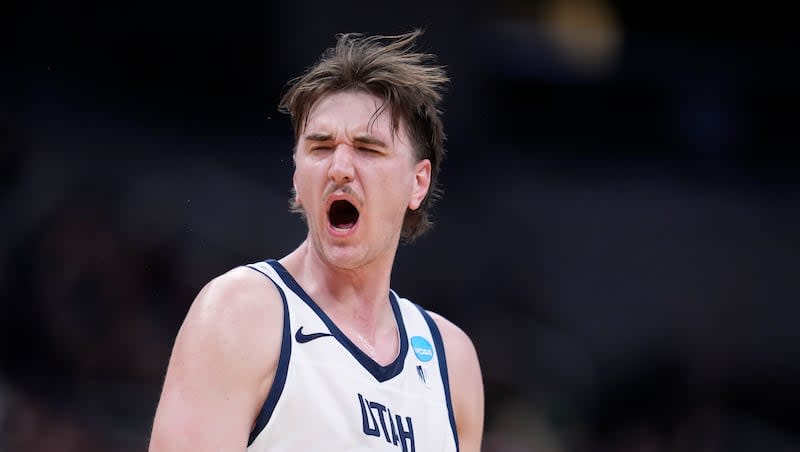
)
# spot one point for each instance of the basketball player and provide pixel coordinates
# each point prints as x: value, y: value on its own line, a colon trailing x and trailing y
x: 315, y: 352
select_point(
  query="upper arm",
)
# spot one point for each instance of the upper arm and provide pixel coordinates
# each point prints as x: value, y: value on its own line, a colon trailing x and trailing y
x: 221, y: 367
x: 466, y: 384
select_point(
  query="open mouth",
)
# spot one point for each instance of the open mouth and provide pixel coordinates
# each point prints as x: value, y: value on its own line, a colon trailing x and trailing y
x: 342, y: 215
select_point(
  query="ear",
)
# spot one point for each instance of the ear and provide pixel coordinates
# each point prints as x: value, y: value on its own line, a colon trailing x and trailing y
x: 294, y: 189
x: 422, y: 182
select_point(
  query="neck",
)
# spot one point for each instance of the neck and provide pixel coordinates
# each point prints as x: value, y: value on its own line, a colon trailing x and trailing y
x: 357, y: 298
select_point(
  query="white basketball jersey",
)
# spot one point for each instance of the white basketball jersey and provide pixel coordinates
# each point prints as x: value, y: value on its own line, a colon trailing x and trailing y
x: 328, y: 395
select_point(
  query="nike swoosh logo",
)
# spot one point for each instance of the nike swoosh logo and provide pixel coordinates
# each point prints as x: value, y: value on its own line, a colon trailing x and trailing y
x: 303, y: 338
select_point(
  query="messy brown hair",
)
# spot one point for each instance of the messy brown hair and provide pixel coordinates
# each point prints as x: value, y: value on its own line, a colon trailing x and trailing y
x: 410, y: 85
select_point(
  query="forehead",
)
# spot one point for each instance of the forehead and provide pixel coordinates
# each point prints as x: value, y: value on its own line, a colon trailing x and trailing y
x: 352, y: 112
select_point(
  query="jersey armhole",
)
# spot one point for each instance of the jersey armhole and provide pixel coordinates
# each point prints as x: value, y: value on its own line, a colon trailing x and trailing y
x: 282, y: 368
x: 439, y: 344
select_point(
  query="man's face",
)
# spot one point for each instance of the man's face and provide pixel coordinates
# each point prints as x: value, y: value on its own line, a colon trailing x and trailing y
x: 355, y: 177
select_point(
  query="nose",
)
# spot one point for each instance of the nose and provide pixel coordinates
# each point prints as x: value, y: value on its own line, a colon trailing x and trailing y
x: 341, y: 170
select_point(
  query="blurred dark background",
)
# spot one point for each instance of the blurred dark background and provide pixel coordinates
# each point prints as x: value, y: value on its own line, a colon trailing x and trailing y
x: 619, y: 234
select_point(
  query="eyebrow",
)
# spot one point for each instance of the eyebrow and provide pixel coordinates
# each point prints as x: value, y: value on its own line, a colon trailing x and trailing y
x: 361, y: 138
x: 319, y: 136
x: 369, y: 139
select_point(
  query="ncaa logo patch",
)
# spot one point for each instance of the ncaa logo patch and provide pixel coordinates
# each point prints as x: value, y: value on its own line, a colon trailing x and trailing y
x: 422, y: 348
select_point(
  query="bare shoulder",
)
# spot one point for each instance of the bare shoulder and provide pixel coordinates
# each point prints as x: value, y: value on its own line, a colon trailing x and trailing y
x: 222, y: 365
x: 454, y: 337
x: 466, y: 383
x: 237, y: 299
x: 236, y: 317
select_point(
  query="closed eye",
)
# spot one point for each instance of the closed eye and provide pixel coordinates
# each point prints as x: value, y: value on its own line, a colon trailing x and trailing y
x: 320, y: 148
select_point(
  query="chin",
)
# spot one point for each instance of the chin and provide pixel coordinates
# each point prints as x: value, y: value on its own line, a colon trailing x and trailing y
x: 345, y: 257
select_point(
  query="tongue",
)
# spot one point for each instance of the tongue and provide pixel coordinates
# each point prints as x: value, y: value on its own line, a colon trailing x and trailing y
x: 347, y: 225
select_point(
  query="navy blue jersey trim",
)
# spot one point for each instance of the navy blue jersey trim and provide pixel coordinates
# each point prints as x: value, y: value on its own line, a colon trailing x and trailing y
x: 439, y: 344
x: 280, y: 372
x: 381, y: 373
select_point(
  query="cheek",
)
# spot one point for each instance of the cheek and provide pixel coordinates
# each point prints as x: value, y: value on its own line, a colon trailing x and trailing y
x: 303, y: 192
x: 303, y: 181
x: 394, y: 189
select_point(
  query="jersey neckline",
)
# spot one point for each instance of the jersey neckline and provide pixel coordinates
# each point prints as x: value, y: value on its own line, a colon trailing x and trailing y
x: 379, y: 372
